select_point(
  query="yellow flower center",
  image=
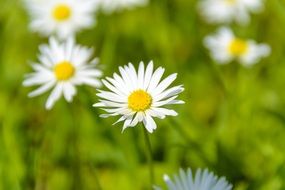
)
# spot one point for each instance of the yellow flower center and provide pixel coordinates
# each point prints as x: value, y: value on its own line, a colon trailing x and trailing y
x: 62, y: 12
x: 139, y: 100
x: 64, y: 70
x: 238, y: 47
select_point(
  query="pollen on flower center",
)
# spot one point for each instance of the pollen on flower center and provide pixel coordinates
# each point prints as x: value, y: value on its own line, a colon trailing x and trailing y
x: 238, y: 47
x: 62, y: 12
x: 64, y: 70
x: 139, y: 100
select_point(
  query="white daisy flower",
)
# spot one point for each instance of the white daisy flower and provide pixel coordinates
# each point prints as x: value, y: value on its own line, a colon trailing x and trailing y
x: 61, y: 17
x: 225, y: 47
x: 113, y: 5
x: 139, y: 96
x: 202, y: 180
x: 62, y: 66
x: 226, y: 11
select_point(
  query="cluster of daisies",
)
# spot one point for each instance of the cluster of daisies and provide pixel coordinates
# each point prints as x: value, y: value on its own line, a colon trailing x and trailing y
x: 64, y: 18
x: 224, y: 45
x: 136, y: 95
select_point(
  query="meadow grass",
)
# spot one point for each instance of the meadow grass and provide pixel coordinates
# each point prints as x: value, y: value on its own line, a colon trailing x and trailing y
x: 232, y: 123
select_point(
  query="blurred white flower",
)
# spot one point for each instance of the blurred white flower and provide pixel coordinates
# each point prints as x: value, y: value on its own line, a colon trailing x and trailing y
x: 61, y: 17
x: 202, y: 180
x: 114, y: 5
x: 225, y: 11
x: 139, y: 96
x: 224, y: 47
x: 62, y: 66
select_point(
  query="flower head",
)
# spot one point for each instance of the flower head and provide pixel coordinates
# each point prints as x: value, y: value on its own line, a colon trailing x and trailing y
x: 139, y: 96
x: 202, y: 180
x: 62, y: 66
x: 225, y: 11
x: 61, y: 17
x: 225, y: 47
x: 113, y: 5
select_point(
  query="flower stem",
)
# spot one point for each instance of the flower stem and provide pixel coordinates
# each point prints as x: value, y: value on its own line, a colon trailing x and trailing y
x: 149, y: 156
x: 190, y: 143
x: 76, y: 155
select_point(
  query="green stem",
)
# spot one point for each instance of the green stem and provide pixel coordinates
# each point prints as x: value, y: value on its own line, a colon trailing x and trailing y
x: 76, y: 154
x: 180, y: 130
x: 218, y: 77
x: 149, y: 156
x: 96, y: 178
x: 75, y: 158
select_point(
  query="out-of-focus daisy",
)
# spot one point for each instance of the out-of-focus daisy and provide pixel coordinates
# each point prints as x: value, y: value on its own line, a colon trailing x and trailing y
x: 225, y: 11
x: 225, y: 47
x: 61, y: 17
x: 62, y: 66
x: 113, y: 5
x: 202, y: 180
x: 139, y: 96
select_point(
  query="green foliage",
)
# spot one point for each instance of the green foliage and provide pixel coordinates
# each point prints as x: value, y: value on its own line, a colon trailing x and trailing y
x: 233, y: 120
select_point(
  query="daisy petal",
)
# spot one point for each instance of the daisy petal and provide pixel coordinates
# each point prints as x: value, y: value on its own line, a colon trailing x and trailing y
x: 149, y: 123
x: 54, y: 96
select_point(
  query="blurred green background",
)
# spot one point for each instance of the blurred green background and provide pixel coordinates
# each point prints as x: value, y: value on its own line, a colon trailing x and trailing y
x: 232, y: 123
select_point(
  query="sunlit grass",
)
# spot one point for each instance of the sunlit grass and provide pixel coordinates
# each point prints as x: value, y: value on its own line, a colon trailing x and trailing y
x: 232, y: 122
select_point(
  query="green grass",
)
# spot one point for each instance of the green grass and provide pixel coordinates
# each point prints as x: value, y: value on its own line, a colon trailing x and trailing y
x: 233, y: 120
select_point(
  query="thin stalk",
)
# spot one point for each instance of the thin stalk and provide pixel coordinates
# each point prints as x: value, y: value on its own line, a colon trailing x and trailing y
x: 96, y: 178
x: 149, y: 156
x: 180, y: 130
x: 76, y: 154
x: 75, y: 159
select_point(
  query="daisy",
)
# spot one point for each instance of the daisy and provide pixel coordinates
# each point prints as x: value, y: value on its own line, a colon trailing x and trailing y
x: 225, y: 47
x: 113, y: 5
x: 62, y: 66
x: 202, y: 180
x: 60, y: 17
x: 139, y: 96
x: 226, y: 11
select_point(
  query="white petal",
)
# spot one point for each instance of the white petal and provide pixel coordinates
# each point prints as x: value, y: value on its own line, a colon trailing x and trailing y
x: 169, y: 183
x: 126, y: 78
x: 154, y: 113
x: 149, y: 123
x: 105, y: 103
x: 42, y: 89
x: 141, y: 75
x: 121, y: 87
x: 68, y: 91
x: 130, y: 70
x: 148, y: 74
x: 54, y: 96
x: 155, y: 79
x: 120, y: 120
x: 87, y: 81
x: 164, y: 84
x: 169, y: 101
x: 68, y: 48
x: 255, y: 53
x: 88, y: 72
x: 122, y: 83
x: 119, y: 111
x: 37, y: 79
x: 127, y: 123
x: 165, y: 111
x: 57, y: 50
x: 40, y: 68
x: 169, y: 93
x: 46, y: 57
x: 112, y: 88
x: 111, y: 96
